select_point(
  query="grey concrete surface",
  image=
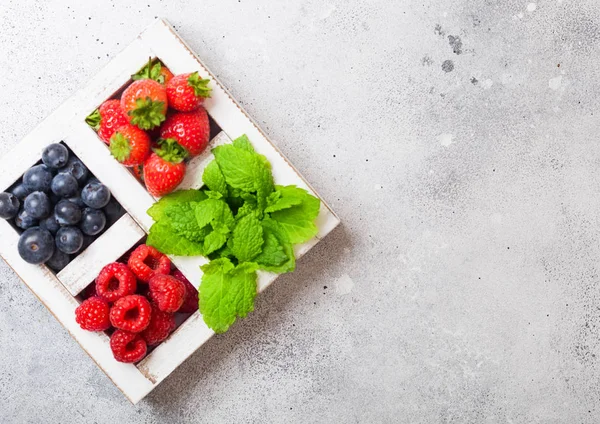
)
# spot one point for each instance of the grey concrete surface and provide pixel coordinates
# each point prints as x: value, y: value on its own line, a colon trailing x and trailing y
x: 458, y: 140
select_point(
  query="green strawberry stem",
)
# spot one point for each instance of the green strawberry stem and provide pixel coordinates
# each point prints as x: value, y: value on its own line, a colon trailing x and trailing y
x: 93, y: 120
x: 150, y: 71
x: 200, y: 86
x: 120, y: 147
x: 170, y: 150
x: 147, y: 114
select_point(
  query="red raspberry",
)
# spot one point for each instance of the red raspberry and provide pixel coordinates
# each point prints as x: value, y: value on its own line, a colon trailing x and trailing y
x: 92, y: 314
x: 145, y: 261
x: 115, y: 281
x: 131, y: 313
x: 167, y: 292
x: 128, y: 347
x: 190, y: 302
x: 161, y: 325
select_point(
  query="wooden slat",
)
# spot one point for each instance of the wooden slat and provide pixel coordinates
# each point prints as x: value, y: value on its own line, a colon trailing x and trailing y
x: 107, y: 248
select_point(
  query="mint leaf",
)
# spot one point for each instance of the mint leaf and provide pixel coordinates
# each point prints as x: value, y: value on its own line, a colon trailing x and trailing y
x: 215, y: 212
x: 181, y: 196
x: 214, y: 179
x: 285, y: 197
x: 182, y: 218
x: 214, y: 241
x: 278, y: 253
x: 247, y: 239
x: 243, y: 143
x: 263, y: 181
x: 298, y: 221
x: 226, y: 292
x: 164, y: 239
x: 238, y: 166
x: 272, y: 252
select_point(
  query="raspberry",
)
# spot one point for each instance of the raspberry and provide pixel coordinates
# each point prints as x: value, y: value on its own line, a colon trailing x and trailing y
x: 131, y: 313
x: 145, y: 261
x: 115, y: 281
x: 92, y: 314
x: 161, y: 325
x: 128, y: 347
x: 167, y: 292
x: 190, y: 302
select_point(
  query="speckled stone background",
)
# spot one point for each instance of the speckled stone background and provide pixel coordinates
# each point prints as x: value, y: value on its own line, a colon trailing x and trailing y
x: 458, y: 140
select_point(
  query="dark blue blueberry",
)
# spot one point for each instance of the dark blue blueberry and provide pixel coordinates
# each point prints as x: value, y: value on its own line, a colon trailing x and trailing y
x: 55, y: 156
x: 67, y: 213
x: 95, y: 194
x: 69, y: 239
x: 58, y: 261
x: 9, y: 205
x: 77, y: 169
x: 38, y: 178
x: 37, y: 205
x: 24, y: 220
x: 36, y: 246
x: 51, y: 224
x: 92, y: 221
x: 64, y: 185
x: 113, y: 211
x: 20, y: 191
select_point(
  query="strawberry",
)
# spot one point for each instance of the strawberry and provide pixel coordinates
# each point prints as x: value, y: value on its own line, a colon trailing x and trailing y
x: 190, y: 129
x: 157, y: 72
x: 164, y: 169
x: 145, y: 102
x: 130, y: 145
x: 186, y: 92
x: 107, y: 119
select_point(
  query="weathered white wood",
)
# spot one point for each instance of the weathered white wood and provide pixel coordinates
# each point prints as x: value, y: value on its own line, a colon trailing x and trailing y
x: 67, y: 123
x: 107, y: 248
x: 62, y: 305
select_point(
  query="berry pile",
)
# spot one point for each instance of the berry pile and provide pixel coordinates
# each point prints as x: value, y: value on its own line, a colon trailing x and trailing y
x: 157, y: 124
x: 138, y: 302
x: 60, y: 206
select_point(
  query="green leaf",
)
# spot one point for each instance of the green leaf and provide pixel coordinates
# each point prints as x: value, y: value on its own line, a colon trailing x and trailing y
x: 247, y: 239
x: 217, y: 213
x: 298, y: 221
x: 238, y: 166
x: 165, y: 240
x: 214, y: 179
x: 226, y: 292
x: 148, y: 113
x: 263, y: 180
x: 285, y: 197
x: 272, y: 253
x: 214, y: 241
x: 213, y: 194
x: 200, y: 86
x: 243, y: 143
x: 94, y: 119
x: 276, y: 246
x: 182, y: 218
x: 157, y: 211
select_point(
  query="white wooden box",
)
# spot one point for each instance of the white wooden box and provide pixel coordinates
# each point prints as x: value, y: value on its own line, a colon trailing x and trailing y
x: 67, y: 123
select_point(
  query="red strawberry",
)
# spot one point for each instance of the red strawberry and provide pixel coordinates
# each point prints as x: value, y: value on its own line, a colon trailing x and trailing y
x: 107, y: 119
x: 164, y: 170
x: 130, y: 145
x: 190, y: 129
x: 158, y: 72
x: 145, y: 102
x: 186, y: 92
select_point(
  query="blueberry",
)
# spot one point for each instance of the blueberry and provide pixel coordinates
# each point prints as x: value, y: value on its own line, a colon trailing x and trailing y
x: 64, y: 185
x: 24, y: 220
x: 92, y: 222
x: 36, y: 246
x: 20, y: 191
x: 113, y: 211
x: 58, y: 261
x: 77, y: 200
x: 37, y: 205
x: 55, y: 156
x: 95, y: 194
x: 69, y: 239
x: 9, y: 205
x: 77, y: 169
x: 38, y: 178
x: 54, y: 199
x: 67, y: 213
x: 51, y: 224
